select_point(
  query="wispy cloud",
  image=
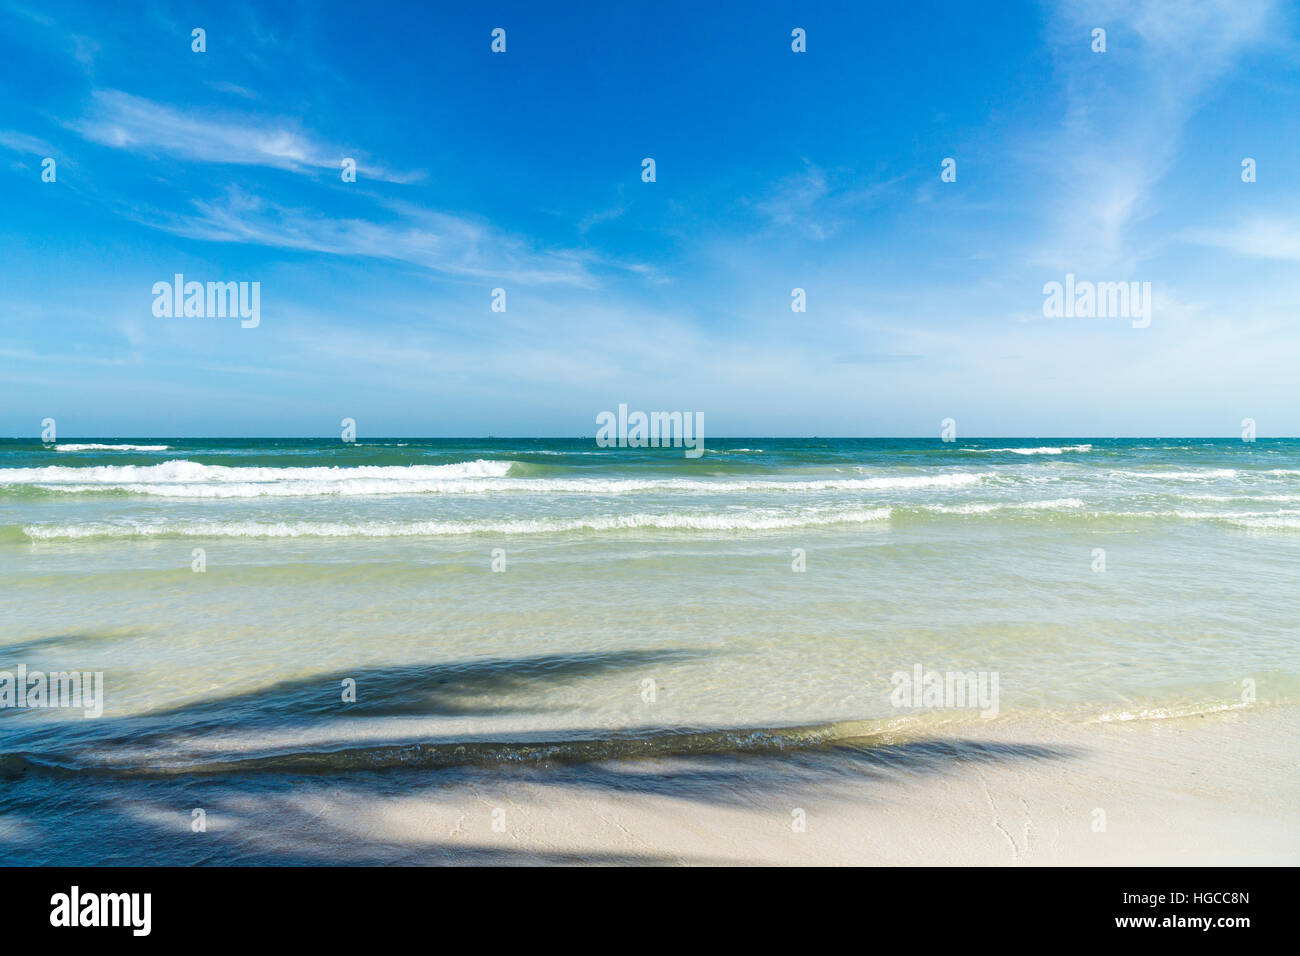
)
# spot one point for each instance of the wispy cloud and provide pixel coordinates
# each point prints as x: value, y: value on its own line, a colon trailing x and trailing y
x: 445, y: 243
x: 22, y: 143
x: 221, y: 86
x: 80, y: 47
x: 1261, y: 238
x: 815, y: 203
x: 124, y: 121
x: 594, y: 219
x: 1126, y: 110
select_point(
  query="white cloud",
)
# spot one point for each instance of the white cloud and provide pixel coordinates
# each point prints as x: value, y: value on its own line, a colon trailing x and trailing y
x: 1260, y: 238
x: 814, y: 204
x: 1126, y: 109
x: 22, y: 143
x: 453, y: 245
x: 124, y: 121
x: 234, y: 89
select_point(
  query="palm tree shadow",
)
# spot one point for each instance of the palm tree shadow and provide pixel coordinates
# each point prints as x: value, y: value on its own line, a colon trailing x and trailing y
x: 389, y: 803
x: 481, y: 687
x: 406, y: 817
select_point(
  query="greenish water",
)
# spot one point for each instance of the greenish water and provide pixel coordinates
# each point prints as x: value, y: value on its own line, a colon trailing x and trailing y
x: 648, y: 601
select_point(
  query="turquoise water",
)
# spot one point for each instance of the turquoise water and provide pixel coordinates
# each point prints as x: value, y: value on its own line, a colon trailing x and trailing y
x: 647, y: 600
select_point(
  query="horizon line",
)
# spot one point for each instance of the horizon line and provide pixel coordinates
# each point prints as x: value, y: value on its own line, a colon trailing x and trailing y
x: 73, y: 438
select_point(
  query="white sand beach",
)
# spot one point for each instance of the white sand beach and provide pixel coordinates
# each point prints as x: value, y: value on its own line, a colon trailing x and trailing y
x: 1219, y: 789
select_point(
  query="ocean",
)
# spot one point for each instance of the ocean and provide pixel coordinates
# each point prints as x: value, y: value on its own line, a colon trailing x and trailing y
x: 308, y: 606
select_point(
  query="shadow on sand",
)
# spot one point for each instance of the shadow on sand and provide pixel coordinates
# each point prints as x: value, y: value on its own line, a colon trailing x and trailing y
x: 59, y: 805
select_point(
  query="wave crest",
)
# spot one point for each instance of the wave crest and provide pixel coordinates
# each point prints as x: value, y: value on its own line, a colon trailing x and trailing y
x: 767, y: 520
x: 1042, y: 450
x: 187, y: 479
x: 94, y: 446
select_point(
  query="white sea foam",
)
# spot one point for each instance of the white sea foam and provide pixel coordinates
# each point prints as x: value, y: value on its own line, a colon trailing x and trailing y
x: 1244, y: 496
x: 1262, y: 520
x: 96, y: 447
x: 975, y: 508
x: 183, y: 477
x: 757, y: 520
x: 1169, y: 713
x: 1225, y: 515
x: 177, y: 479
x: 1268, y: 522
x: 1043, y: 450
x: 1201, y: 475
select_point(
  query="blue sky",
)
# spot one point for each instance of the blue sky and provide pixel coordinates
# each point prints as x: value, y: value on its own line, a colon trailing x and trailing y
x: 775, y: 170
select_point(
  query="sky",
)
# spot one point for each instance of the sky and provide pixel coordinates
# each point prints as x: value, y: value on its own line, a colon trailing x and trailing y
x: 775, y: 170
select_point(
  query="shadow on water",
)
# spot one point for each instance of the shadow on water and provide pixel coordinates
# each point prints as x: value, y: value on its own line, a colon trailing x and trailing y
x: 66, y: 642
x: 451, y: 689
x: 471, y: 688
x: 338, y: 806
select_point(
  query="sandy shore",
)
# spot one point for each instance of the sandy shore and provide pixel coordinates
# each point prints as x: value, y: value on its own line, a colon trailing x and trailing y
x: 1219, y: 789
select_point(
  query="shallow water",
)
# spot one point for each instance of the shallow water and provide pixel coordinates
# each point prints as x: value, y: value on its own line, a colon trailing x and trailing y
x: 647, y: 602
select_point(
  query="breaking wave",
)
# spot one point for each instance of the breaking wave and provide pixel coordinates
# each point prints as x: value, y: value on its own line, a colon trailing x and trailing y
x: 766, y: 520
x: 187, y: 479
x: 97, y: 447
x: 1043, y: 450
